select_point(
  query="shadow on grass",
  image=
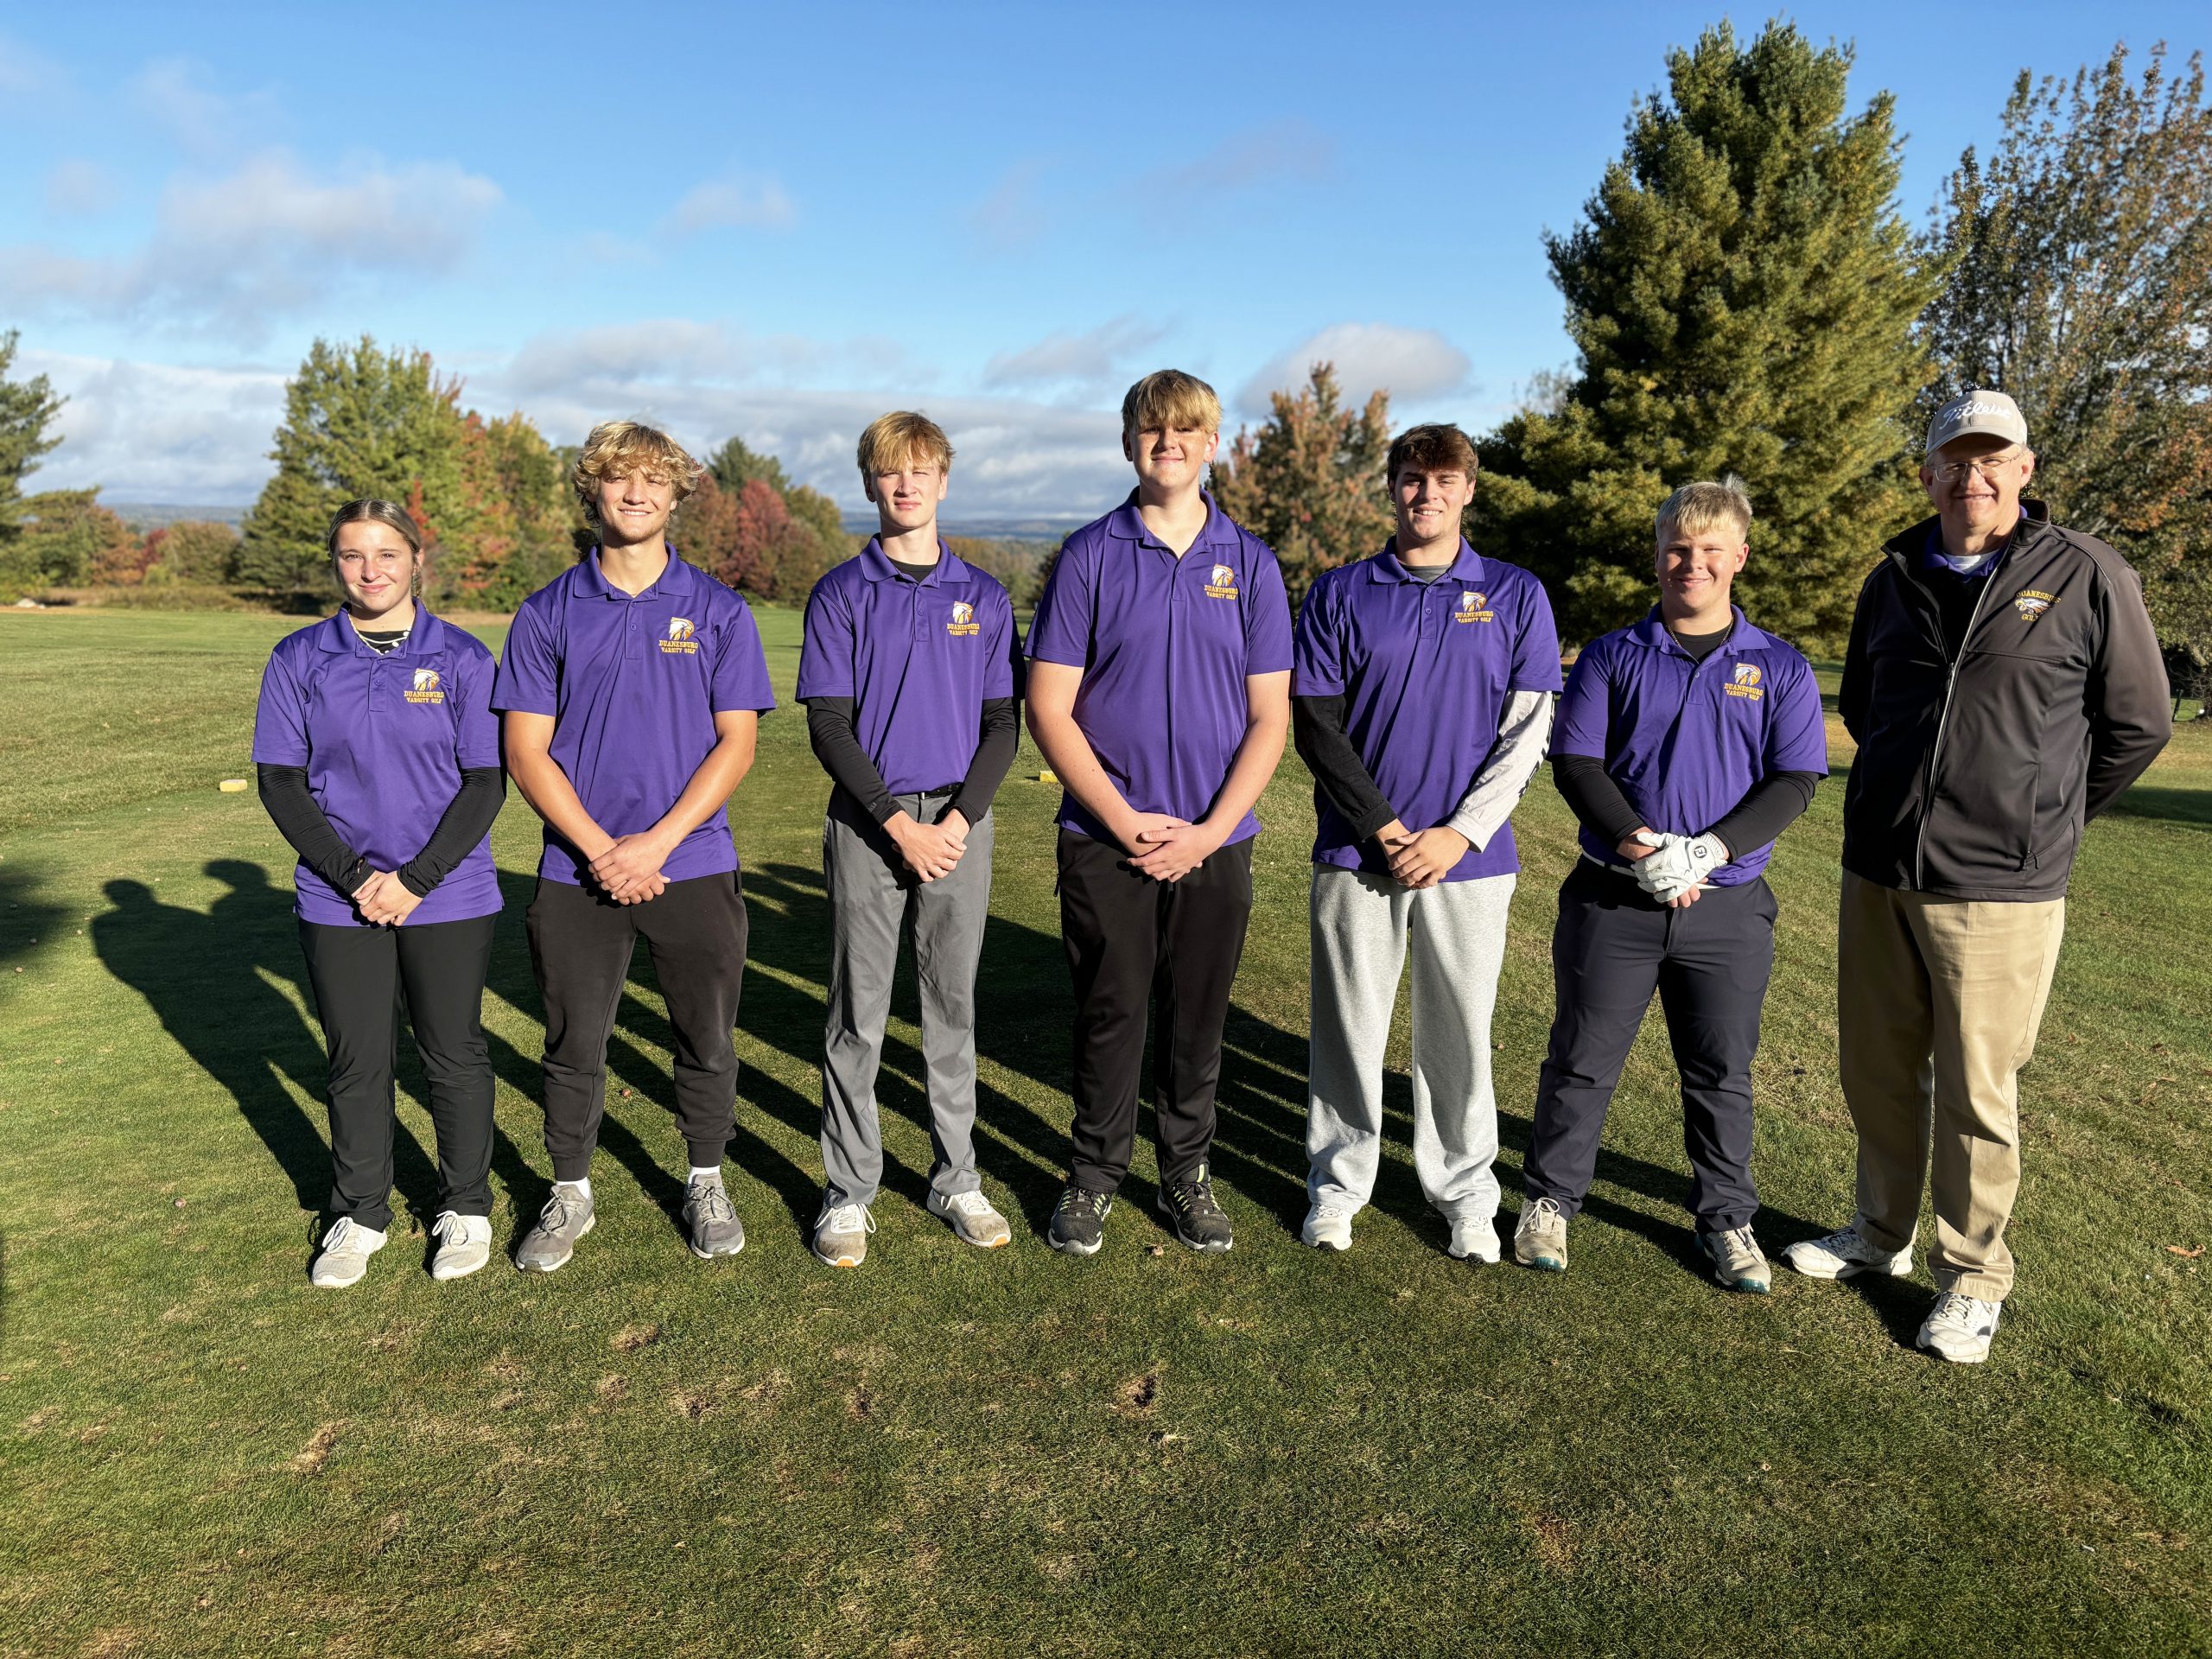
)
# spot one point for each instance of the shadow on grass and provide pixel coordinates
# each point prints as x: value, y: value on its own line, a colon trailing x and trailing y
x: 2192, y: 806
x: 27, y: 920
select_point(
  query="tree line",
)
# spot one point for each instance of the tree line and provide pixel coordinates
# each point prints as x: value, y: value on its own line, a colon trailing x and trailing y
x: 1743, y: 296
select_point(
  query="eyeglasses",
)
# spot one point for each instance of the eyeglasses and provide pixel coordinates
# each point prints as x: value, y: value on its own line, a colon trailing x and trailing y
x: 1988, y: 466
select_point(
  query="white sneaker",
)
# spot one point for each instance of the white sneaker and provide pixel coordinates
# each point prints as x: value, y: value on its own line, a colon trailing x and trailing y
x: 1475, y: 1240
x: 1959, y: 1328
x: 1845, y: 1255
x: 346, y: 1248
x: 1328, y: 1226
x: 464, y: 1244
x: 972, y: 1218
x: 841, y: 1236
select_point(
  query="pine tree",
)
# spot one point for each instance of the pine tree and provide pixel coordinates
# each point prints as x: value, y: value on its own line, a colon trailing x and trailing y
x: 27, y: 412
x: 1741, y: 293
x: 2080, y: 255
x: 1310, y: 484
x: 359, y: 422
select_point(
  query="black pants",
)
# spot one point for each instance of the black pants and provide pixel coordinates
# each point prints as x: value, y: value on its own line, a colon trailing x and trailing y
x: 580, y: 946
x: 365, y: 980
x: 1709, y: 962
x: 1133, y: 940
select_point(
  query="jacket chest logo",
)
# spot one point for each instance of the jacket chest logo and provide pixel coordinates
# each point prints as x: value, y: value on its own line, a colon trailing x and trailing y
x: 1221, y: 583
x: 426, y: 687
x: 1745, y: 683
x: 2032, y: 602
x: 1474, y: 607
x: 964, y: 618
x: 681, y: 640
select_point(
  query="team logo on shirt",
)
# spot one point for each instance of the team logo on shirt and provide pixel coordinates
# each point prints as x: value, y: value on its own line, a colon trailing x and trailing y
x: 2032, y: 602
x: 680, y: 641
x: 963, y: 617
x: 1745, y: 683
x: 427, y: 688
x: 1473, y: 608
x: 1222, y: 584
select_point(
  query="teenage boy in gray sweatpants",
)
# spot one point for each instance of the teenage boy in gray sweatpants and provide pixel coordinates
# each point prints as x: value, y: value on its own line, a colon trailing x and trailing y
x: 1421, y: 699
x: 909, y: 673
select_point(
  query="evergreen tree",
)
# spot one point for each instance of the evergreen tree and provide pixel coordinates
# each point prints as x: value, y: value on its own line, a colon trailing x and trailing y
x: 358, y: 422
x: 1310, y: 484
x: 733, y: 467
x: 27, y: 412
x: 1741, y: 293
x: 2081, y: 255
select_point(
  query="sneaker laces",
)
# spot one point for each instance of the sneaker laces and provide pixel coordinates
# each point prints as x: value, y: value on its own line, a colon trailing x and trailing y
x: 970, y: 1203
x: 340, y: 1238
x: 1195, y: 1195
x: 713, y: 1199
x: 452, y: 1226
x: 554, y: 1218
x: 1740, y: 1240
x: 846, y: 1218
x: 1077, y: 1199
x: 1956, y: 1307
x: 1537, y: 1211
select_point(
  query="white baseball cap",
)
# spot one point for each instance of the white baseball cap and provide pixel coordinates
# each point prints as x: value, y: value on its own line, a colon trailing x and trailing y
x: 1970, y: 412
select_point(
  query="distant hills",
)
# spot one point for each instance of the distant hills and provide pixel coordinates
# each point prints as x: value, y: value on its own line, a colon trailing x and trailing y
x: 153, y: 515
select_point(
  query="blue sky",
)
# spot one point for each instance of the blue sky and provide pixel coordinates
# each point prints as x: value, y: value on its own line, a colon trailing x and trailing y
x: 778, y: 221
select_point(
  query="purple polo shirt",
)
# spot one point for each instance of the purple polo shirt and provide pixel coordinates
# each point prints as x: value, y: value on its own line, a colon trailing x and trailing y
x: 1424, y: 669
x: 1684, y: 741
x: 918, y: 658
x: 1166, y: 645
x: 633, y: 685
x: 385, y: 740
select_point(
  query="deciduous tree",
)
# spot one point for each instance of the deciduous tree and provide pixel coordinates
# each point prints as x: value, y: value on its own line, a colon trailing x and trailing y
x: 1310, y: 482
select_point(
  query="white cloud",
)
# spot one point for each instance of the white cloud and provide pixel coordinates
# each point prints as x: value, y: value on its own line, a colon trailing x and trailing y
x: 267, y: 238
x: 78, y: 189
x: 174, y: 95
x: 1412, y: 365
x: 1091, y: 359
x: 160, y: 432
x: 29, y: 80
x: 740, y: 201
x: 1284, y: 149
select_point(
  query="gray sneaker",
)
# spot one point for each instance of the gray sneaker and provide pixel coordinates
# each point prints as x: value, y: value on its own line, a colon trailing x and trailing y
x: 346, y: 1248
x: 1540, y: 1238
x: 566, y: 1218
x: 841, y: 1236
x: 971, y: 1217
x: 1738, y: 1262
x: 710, y: 1220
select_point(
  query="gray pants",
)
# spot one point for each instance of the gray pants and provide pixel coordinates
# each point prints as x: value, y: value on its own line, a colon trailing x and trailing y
x: 1362, y: 926
x: 874, y: 898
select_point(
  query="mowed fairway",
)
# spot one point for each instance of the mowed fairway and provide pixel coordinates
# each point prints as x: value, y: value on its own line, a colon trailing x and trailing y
x: 957, y: 1453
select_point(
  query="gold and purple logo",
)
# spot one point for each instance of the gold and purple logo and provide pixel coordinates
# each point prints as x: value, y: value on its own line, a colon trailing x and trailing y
x: 1744, y: 681
x: 1473, y: 608
x: 963, y: 617
x: 2032, y: 602
x: 1222, y: 583
x: 427, y: 687
x: 680, y: 640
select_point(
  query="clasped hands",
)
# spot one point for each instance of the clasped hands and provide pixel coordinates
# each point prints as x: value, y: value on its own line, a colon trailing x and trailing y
x: 1166, y: 848
x: 932, y: 850
x: 385, y: 899
x: 1672, y: 868
x: 1420, y: 858
x: 629, y: 869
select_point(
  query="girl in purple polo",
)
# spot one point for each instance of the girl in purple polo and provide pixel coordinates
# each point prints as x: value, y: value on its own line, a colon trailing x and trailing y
x: 379, y: 758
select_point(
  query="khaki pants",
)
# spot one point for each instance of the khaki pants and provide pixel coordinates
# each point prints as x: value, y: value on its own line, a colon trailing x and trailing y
x: 1938, y: 1001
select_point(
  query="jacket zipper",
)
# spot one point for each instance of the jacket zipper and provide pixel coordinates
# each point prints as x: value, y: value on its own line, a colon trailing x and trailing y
x: 1942, y: 717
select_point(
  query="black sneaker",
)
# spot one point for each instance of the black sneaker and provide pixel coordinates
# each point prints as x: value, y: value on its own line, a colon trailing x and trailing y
x: 1079, y: 1221
x: 1197, y: 1216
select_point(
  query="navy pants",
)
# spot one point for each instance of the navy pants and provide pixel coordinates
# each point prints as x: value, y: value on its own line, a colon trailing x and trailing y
x: 1709, y: 962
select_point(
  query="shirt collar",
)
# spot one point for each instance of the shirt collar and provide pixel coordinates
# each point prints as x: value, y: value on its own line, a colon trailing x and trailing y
x: 338, y: 636
x: 674, y: 582
x: 1652, y: 634
x: 1933, y: 557
x: 1467, y: 569
x: 876, y: 565
x: 1128, y: 524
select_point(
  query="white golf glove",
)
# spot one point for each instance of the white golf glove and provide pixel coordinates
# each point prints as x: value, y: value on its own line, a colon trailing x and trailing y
x: 1678, y: 863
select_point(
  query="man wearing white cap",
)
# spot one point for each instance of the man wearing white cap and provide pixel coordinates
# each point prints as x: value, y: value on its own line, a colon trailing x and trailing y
x: 2003, y: 686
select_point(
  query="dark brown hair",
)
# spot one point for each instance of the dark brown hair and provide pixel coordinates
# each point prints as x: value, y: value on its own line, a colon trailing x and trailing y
x: 1433, y: 448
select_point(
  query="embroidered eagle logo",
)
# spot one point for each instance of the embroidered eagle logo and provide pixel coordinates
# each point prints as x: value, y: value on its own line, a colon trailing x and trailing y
x: 679, y: 628
x: 1746, y: 674
x: 426, y: 679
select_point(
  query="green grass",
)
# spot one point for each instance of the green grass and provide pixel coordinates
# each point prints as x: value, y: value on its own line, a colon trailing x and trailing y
x: 954, y: 1453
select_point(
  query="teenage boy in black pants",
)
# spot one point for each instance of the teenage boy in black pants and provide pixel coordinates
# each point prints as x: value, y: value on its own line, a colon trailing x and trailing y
x: 632, y: 689
x: 1685, y: 744
x: 1160, y: 692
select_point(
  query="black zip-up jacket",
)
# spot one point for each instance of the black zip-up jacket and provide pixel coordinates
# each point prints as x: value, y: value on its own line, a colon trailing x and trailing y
x: 1975, y: 777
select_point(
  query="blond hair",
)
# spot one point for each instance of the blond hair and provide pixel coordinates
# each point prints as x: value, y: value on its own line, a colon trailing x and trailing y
x: 901, y: 439
x: 1695, y: 508
x: 1169, y: 399
x: 617, y: 448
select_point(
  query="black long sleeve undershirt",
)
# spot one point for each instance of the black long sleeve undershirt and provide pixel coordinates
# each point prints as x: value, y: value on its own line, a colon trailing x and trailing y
x: 292, y: 808
x: 466, y: 821
x: 1768, y: 808
x: 1318, y: 730
x: 830, y: 732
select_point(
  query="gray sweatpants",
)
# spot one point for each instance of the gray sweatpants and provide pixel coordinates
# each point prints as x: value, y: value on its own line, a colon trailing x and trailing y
x: 1363, y: 926
x: 873, y: 897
